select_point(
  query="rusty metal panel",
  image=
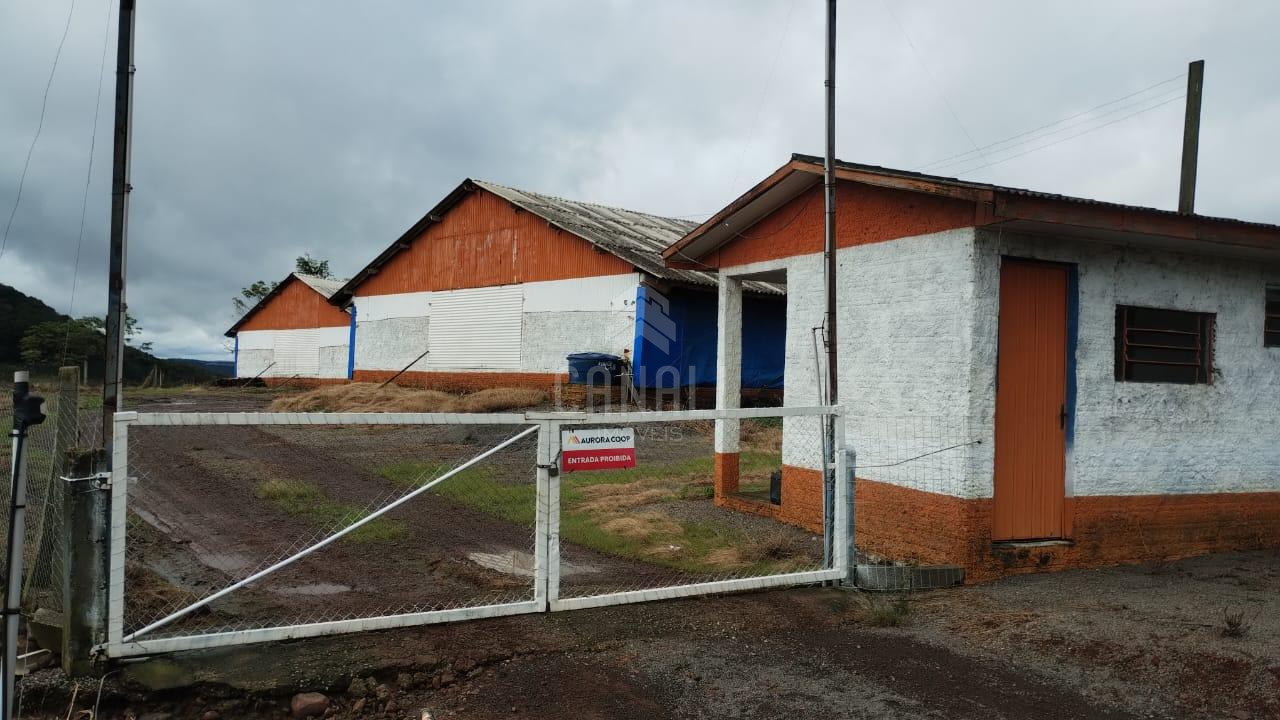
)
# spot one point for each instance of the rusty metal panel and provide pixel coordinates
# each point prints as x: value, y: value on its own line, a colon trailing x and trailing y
x: 1031, y: 382
x: 297, y: 305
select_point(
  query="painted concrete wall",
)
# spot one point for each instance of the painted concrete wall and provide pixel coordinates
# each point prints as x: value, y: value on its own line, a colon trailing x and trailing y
x: 259, y: 349
x: 918, y: 341
x: 905, y: 318
x: 559, y: 317
x: 1150, y: 438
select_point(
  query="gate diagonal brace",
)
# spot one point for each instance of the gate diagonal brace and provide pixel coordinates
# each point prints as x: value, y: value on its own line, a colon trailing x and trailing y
x: 329, y: 540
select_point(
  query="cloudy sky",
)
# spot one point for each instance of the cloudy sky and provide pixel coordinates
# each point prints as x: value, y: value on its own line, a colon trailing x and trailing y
x: 267, y: 129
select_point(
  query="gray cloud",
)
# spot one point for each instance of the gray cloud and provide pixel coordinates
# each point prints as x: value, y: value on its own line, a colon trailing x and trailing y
x: 264, y: 130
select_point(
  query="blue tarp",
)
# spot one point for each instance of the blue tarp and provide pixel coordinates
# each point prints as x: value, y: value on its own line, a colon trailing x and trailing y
x: 675, y: 340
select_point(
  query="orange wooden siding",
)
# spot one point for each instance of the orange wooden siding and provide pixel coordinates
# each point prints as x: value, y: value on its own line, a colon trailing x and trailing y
x: 1030, y: 437
x: 864, y: 214
x: 484, y: 241
x: 296, y: 307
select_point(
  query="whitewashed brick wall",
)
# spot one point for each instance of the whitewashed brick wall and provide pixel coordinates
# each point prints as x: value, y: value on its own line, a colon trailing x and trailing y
x: 1152, y: 438
x: 595, y: 314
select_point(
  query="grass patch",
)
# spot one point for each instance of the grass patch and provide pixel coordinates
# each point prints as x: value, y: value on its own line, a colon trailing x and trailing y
x: 887, y: 614
x: 620, y: 512
x: 307, y: 502
x: 368, y: 397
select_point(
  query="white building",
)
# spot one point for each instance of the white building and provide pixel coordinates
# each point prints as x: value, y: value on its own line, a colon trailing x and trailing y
x: 295, y: 334
x: 496, y: 286
x: 1031, y: 380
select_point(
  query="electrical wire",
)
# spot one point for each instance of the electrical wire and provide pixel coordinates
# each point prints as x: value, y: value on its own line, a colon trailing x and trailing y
x: 44, y: 105
x: 1071, y: 137
x: 764, y: 93
x: 922, y: 455
x: 1158, y: 99
x: 1090, y: 111
x: 936, y: 86
x: 88, y: 178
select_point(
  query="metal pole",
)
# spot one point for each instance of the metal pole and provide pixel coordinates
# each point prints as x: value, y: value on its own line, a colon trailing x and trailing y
x: 829, y: 193
x: 113, y: 373
x: 829, y: 246
x: 27, y: 411
x: 1191, y: 139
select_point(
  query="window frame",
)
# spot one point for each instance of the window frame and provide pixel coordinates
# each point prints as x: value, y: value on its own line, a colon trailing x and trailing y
x: 1205, y: 345
x: 1271, y: 316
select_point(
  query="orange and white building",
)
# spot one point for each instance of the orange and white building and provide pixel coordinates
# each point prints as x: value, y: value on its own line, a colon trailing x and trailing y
x: 294, y: 333
x: 496, y: 286
x: 1031, y: 380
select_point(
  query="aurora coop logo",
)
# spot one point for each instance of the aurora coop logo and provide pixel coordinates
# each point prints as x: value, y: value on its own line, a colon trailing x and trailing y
x: 597, y: 449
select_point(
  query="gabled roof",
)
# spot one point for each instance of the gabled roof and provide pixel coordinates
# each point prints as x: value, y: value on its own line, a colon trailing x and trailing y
x: 1020, y: 208
x: 634, y: 237
x: 325, y: 287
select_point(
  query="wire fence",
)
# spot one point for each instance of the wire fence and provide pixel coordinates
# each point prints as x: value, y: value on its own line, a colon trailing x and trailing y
x: 47, y: 451
x: 212, y: 506
x: 659, y: 525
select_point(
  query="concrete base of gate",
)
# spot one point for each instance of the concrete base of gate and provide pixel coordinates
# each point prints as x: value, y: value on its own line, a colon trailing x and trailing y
x: 908, y: 577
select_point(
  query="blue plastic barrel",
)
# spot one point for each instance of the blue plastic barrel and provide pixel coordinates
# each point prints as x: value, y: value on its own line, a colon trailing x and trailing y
x: 594, y: 368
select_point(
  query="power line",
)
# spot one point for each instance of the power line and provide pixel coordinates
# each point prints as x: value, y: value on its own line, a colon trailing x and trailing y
x: 1070, y: 137
x: 88, y: 178
x: 1056, y: 122
x: 937, y: 87
x: 1034, y: 138
x: 44, y: 104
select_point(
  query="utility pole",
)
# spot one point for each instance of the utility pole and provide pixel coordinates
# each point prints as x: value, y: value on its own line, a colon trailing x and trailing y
x: 114, y: 371
x: 1191, y: 139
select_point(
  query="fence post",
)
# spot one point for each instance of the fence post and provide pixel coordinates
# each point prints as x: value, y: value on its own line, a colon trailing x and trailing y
x: 542, y: 527
x: 86, y: 558
x: 553, y: 515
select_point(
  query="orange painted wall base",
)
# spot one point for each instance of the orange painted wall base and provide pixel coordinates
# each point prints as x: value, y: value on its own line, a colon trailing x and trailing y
x: 914, y: 526
x: 911, y: 525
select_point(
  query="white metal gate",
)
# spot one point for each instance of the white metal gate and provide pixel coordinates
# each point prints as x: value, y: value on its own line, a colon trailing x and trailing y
x: 340, y: 522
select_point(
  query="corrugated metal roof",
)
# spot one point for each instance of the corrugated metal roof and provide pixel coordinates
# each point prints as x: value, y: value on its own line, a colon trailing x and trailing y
x: 880, y: 170
x: 636, y: 237
x: 325, y: 286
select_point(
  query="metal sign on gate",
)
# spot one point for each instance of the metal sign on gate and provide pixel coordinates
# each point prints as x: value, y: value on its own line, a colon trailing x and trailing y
x: 597, y: 449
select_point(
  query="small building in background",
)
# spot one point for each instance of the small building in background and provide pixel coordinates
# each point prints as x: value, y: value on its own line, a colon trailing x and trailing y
x: 1031, y: 381
x: 497, y: 286
x: 295, y: 334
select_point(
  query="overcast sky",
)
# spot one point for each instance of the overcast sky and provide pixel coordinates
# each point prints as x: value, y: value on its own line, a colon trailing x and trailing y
x: 267, y: 129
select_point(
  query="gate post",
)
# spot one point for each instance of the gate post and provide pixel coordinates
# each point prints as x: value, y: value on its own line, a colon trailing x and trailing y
x: 542, y: 524
x: 85, y: 508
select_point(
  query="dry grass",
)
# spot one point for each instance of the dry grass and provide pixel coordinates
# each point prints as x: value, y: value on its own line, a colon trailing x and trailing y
x: 774, y: 546
x: 368, y: 397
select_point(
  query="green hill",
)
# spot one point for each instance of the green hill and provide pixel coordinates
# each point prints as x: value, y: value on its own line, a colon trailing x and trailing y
x: 20, y: 312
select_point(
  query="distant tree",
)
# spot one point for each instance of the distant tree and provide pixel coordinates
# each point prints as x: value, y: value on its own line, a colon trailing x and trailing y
x: 253, y: 294
x: 250, y: 296
x: 308, y: 265
x: 73, y: 340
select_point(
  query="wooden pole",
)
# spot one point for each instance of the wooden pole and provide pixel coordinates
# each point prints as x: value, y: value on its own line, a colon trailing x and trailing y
x: 1191, y: 139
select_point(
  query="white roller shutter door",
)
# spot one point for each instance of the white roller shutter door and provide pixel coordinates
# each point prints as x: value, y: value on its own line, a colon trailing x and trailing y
x: 476, y: 329
x: 297, y: 352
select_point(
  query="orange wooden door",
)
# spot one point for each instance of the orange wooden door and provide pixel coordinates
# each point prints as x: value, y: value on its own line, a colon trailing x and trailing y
x: 1031, y: 394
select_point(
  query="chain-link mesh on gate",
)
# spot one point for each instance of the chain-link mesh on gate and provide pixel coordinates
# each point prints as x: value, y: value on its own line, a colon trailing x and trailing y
x: 211, y: 504
x: 661, y: 528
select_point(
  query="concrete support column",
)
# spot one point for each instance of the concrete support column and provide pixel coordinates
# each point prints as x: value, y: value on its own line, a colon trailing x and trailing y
x: 728, y: 383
